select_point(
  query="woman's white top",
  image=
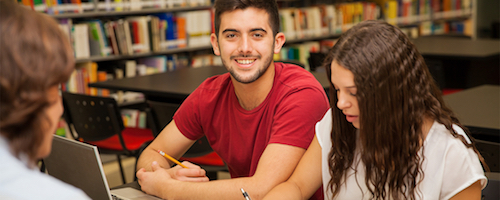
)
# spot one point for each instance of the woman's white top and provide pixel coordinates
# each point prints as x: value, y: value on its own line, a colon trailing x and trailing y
x: 18, y: 182
x: 449, y: 166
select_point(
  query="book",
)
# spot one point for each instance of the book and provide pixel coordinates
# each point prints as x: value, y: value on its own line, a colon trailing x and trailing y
x: 123, y: 37
x: 181, y: 31
x: 103, y: 76
x: 154, y: 33
x: 140, y: 33
x: 109, y: 30
x: 134, y: 31
x: 171, y: 31
x: 157, y: 62
x: 120, y: 37
x: 300, y: 23
x: 66, y: 24
x: 167, y: 32
x: 98, y: 42
x: 80, y: 35
x: 128, y: 36
x: 126, y: 69
x: 198, y: 27
x: 287, y: 23
x: 86, y: 73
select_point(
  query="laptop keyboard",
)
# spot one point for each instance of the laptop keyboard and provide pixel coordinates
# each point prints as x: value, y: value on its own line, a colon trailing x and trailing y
x: 114, y: 197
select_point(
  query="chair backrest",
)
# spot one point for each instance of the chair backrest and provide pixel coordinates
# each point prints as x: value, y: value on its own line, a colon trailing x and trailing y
x: 295, y: 62
x: 161, y: 113
x: 316, y: 60
x: 492, y: 189
x: 93, y: 118
x: 491, y: 153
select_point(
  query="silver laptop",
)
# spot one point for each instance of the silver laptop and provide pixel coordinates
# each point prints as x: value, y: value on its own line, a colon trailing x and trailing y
x: 79, y: 164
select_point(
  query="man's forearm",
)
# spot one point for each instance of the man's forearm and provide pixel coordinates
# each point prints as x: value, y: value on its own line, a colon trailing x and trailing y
x: 148, y: 156
x: 217, y: 190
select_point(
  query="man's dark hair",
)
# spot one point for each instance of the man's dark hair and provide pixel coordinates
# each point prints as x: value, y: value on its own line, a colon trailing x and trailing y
x: 270, y: 6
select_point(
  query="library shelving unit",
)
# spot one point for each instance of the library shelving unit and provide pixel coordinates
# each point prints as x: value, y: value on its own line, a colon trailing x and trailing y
x: 133, y: 35
x: 103, y: 12
x: 419, y: 16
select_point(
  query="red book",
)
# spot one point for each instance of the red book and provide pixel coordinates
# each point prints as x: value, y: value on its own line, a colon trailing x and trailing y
x: 135, y: 32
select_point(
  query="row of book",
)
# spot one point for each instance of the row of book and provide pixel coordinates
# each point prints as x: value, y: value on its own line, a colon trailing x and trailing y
x: 138, y: 34
x: 54, y: 7
x: 84, y: 74
x: 159, y: 32
x: 402, y: 12
x: 314, y: 21
x: 90, y: 72
x: 300, y: 53
x: 133, y: 118
x: 457, y: 27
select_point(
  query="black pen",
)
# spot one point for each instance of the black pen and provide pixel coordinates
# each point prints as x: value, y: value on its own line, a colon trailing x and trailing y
x: 245, y: 194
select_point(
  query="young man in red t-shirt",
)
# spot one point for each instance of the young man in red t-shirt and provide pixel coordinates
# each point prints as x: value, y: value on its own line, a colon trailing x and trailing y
x: 259, y: 117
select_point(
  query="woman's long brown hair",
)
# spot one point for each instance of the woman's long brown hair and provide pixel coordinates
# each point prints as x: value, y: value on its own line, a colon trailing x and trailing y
x: 395, y: 91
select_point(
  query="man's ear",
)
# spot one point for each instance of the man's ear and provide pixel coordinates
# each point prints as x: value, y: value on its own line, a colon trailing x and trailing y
x: 215, y: 44
x: 279, y: 41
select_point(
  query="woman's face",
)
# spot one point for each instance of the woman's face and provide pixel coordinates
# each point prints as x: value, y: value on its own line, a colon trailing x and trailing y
x: 343, y: 82
x: 53, y: 112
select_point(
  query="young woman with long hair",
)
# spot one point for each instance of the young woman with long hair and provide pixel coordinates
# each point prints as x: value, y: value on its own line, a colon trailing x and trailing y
x: 389, y: 134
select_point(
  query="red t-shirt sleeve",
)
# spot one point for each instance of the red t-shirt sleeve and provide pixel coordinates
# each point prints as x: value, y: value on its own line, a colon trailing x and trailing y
x: 297, y: 115
x: 187, y: 118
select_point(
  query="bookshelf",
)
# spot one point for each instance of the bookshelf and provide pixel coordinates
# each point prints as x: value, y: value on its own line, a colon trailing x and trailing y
x: 415, y: 17
x: 454, y: 18
x: 141, y: 55
x: 310, y: 26
x: 146, y: 11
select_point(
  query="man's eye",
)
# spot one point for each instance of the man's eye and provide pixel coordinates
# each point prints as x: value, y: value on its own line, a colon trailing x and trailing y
x: 258, y: 35
x: 230, y: 35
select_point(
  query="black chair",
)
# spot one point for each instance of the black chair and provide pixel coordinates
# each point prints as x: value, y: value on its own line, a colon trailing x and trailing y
x: 315, y: 60
x: 295, y: 62
x: 97, y: 121
x: 159, y: 114
x: 490, y: 152
x: 201, y: 153
x: 492, y: 189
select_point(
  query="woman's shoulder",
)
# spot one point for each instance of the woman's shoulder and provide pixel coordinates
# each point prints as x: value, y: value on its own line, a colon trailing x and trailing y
x: 323, y: 128
x: 32, y: 184
x: 440, y: 135
x: 452, y: 164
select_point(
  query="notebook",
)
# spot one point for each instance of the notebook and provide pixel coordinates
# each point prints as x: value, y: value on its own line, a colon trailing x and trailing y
x: 79, y: 164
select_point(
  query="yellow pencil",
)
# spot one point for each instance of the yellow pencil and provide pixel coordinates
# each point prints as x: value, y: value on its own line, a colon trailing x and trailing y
x: 171, y: 159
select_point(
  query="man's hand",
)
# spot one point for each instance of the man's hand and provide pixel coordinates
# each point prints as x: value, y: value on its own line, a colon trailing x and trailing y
x: 193, y: 173
x: 150, y: 180
x: 155, y: 181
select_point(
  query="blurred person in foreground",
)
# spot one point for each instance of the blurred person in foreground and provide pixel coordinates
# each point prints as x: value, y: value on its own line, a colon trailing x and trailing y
x: 35, y: 59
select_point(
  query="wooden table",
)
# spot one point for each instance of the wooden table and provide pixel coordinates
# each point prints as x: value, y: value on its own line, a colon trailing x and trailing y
x: 457, y: 48
x: 478, y: 108
x: 174, y: 86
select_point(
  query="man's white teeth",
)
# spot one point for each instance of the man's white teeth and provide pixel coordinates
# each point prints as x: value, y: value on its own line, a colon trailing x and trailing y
x: 244, y: 62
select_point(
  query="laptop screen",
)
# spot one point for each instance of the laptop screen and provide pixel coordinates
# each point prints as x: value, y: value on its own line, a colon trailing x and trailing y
x: 78, y: 164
